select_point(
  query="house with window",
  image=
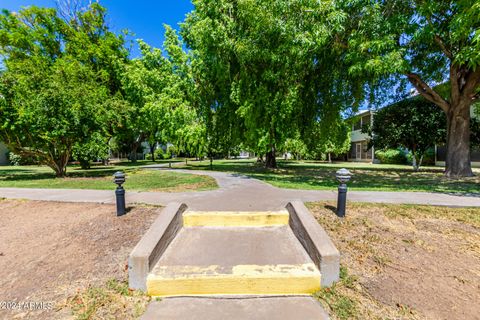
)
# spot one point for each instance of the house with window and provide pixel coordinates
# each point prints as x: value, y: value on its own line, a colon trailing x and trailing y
x: 359, y: 150
x: 359, y: 141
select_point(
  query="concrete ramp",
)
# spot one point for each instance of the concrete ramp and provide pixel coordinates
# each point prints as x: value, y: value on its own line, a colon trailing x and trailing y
x: 249, y: 308
x: 234, y: 262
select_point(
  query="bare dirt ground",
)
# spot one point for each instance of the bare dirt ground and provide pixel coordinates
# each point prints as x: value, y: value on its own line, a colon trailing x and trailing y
x: 404, y: 262
x: 51, y: 252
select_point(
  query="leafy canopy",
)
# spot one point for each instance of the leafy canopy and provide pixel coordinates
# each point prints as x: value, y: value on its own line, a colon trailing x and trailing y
x: 58, y: 79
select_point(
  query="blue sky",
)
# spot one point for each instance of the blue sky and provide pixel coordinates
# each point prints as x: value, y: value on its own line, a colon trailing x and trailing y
x: 145, y: 18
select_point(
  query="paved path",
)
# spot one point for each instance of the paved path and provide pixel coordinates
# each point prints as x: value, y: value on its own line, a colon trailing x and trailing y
x: 238, y: 192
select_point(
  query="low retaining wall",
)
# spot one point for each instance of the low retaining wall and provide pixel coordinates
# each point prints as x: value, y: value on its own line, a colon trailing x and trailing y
x: 316, y: 242
x: 152, y: 245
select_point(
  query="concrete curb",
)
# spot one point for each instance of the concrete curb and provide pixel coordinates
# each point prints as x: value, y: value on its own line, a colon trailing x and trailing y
x: 316, y: 242
x: 153, y: 244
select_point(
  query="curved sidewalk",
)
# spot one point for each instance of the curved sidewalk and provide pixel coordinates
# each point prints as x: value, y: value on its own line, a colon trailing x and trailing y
x: 238, y: 192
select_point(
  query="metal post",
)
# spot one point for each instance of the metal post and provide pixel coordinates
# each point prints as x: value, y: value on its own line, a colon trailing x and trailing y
x: 342, y: 200
x: 343, y: 176
x: 120, y: 195
x: 119, y: 179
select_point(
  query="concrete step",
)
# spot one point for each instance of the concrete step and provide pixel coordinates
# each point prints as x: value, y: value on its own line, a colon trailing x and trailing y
x: 234, y: 261
x: 235, y: 218
x: 221, y: 308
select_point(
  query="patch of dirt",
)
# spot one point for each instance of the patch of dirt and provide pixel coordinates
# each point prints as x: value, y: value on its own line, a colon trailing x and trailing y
x: 197, y: 186
x: 50, y: 251
x: 416, y: 261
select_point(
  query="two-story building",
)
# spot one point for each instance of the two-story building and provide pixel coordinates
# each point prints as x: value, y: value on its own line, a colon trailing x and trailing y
x: 359, y: 150
x: 359, y: 142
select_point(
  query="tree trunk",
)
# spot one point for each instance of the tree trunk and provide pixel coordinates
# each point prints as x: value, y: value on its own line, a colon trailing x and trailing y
x: 414, y: 162
x: 59, y: 165
x: 329, y: 157
x: 211, y: 163
x: 270, y: 160
x: 84, y: 164
x: 152, y: 152
x: 133, y: 153
x: 458, y: 162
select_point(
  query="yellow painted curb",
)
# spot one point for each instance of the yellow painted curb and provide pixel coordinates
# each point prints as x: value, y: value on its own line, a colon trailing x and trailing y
x: 238, y: 280
x: 235, y: 219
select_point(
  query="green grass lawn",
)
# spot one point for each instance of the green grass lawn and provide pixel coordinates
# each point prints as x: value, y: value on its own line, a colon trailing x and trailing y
x: 321, y: 176
x: 100, y: 178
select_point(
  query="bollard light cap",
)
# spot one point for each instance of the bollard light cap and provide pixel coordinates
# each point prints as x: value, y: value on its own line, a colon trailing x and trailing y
x: 119, y: 178
x: 343, y: 175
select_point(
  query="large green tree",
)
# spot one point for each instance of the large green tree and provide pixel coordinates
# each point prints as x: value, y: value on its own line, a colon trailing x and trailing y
x: 414, y: 124
x: 159, y: 89
x: 266, y: 72
x: 389, y: 43
x: 58, y: 78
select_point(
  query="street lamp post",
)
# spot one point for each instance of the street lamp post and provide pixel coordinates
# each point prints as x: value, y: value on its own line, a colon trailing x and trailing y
x: 343, y: 176
x: 119, y: 179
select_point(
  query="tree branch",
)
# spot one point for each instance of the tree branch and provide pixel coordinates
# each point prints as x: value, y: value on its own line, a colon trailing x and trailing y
x: 472, y: 82
x: 427, y: 92
x: 455, y: 87
x: 442, y: 46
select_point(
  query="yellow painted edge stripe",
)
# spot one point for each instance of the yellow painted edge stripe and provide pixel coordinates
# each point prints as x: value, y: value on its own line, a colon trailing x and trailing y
x: 235, y: 219
x: 243, y: 280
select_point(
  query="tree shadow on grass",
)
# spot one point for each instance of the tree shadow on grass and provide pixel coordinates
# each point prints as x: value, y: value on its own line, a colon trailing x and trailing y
x: 33, y: 174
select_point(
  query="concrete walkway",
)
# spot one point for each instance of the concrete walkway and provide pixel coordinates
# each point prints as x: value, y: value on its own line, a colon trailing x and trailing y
x: 238, y: 192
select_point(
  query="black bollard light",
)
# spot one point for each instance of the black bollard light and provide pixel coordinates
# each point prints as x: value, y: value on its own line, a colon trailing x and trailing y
x: 119, y: 179
x: 343, y: 176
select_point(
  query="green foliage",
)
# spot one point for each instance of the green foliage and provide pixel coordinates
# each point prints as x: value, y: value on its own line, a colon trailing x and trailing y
x: 393, y: 44
x: 58, y: 81
x: 14, y: 159
x: 391, y: 156
x: 428, y: 157
x: 296, y: 147
x: 412, y: 124
x: 95, y: 148
x: 388, y: 38
x: 18, y: 160
x: 158, y: 89
x: 159, y: 154
x: 171, y: 151
x: 332, y: 139
x: 264, y: 70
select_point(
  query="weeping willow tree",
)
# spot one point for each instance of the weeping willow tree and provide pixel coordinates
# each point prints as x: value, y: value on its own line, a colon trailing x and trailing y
x: 269, y: 70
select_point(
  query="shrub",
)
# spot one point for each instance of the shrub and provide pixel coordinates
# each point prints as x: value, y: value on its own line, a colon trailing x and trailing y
x: 171, y: 152
x: 15, y: 159
x: 159, y: 154
x: 18, y: 160
x: 96, y: 148
x: 391, y: 156
x: 428, y: 157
